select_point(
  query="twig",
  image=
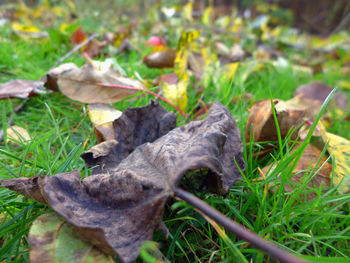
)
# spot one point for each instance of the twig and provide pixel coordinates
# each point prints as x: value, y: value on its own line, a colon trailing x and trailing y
x: 10, y: 119
x: 144, y: 90
x: 237, y: 229
x: 75, y: 49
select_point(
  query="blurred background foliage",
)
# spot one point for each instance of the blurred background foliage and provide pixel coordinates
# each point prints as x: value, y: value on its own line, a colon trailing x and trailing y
x: 321, y: 17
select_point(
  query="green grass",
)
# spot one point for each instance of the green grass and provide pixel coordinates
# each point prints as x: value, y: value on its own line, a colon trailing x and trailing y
x: 316, y: 229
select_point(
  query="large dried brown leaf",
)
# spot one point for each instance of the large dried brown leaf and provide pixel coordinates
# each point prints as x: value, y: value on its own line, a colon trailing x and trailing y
x: 122, y: 206
x: 81, y: 83
x: 21, y: 89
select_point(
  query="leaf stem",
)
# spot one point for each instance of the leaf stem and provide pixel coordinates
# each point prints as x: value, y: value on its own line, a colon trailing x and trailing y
x: 238, y: 229
x: 145, y: 90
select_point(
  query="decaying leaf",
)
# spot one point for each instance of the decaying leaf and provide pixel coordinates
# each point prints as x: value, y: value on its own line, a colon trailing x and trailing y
x: 339, y: 149
x: 17, y: 135
x: 78, y: 36
x: 21, y: 89
x: 308, y: 161
x: 170, y: 78
x: 136, y: 126
x: 52, y: 239
x: 261, y: 125
x: 102, y: 117
x: 319, y: 91
x: 160, y: 59
x: 118, y: 206
x: 81, y: 83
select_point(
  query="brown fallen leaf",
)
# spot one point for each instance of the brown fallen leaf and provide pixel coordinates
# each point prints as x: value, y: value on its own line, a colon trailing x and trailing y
x: 170, y: 78
x: 17, y: 135
x: 102, y: 117
x: 245, y: 97
x: 307, y: 162
x: 21, y: 89
x: 78, y: 36
x: 81, y: 83
x: 290, y: 115
x: 161, y: 59
x: 52, y: 239
x: 134, y: 127
x: 118, y: 209
x: 261, y: 125
x: 320, y: 91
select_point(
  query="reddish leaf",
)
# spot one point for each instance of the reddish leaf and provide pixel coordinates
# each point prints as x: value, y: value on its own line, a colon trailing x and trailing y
x: 78, y: 36
x: 21, y: 89
x: 170, y: 78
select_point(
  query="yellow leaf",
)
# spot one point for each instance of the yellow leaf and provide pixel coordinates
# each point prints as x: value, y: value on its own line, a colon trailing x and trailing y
x: 177, y: 93
x: 64, y: 26
x: 71, y: 6
x: 24, y: 28
x: 344, y: 84
x: 187, y: 38
x: 207, y: 16
x: 102, y: 117
x: 17, y: 135
x: 39, y: 11
x: 180, y: 63
x: 237, y: 25
x: 229, y: 70
x: 102, y: 113
x: 339, y: 149
x: 187, y: 11
x: 58, y: 11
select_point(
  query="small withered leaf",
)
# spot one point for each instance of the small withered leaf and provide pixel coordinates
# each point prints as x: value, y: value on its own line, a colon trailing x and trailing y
x: 52, y: 239
x: 123, y: 202
x: 136, y: 126
x: 19, y: 88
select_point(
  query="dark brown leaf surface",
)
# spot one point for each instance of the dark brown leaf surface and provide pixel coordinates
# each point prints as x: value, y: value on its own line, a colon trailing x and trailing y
x: 160, y: 59
x: 136, y: 126
x: 123, y: 204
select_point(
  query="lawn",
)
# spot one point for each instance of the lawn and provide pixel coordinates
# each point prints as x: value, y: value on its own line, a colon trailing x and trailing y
x: 317, y: 229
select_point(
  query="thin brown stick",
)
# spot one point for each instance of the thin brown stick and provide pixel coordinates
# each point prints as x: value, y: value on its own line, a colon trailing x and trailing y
x: 75, y: 49
x: 237, y: 229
